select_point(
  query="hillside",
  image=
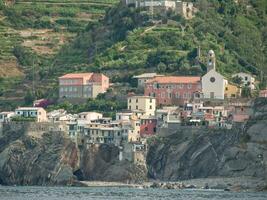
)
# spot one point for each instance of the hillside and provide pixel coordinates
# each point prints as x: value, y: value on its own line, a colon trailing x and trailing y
x: 32, y: 33
x: 127, y: 41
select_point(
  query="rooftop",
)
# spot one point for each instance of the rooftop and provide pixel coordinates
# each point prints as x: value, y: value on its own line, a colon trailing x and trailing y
x: 77, y: 75
x: 29, y: 108
x: 175, y: 79
x: 147, y: 75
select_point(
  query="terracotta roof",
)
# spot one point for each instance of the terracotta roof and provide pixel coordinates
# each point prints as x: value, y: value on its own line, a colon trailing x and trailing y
x: 77, y: 75
x: 175, y: 79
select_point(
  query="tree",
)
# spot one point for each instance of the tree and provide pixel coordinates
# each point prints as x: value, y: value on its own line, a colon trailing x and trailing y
x: 29, y: 98
x: 237, y: 80
x: 246, y: 92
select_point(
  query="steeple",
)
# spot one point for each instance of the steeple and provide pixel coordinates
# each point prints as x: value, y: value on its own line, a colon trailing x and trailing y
x: 211, y: 64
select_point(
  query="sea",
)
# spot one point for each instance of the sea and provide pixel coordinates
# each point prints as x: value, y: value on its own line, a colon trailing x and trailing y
x: 111, y: 193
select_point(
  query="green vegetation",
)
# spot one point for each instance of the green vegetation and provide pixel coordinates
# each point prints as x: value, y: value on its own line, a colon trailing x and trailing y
x: 23, y: 119
x: 125, y: 41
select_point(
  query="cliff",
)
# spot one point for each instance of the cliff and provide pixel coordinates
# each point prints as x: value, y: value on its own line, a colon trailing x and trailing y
x: 200, y: 153
x: 53, y: 159
x: 25, y: 160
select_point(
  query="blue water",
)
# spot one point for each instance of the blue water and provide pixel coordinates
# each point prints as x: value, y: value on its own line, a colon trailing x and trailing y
x: 111, y: 193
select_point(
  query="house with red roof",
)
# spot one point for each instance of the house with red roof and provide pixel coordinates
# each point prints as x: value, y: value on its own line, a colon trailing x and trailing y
x: 173, y: 90
x: 82, y: 85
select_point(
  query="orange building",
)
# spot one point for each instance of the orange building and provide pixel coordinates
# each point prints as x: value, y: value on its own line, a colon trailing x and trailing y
x: 172, y: 90
x: 82, y: 85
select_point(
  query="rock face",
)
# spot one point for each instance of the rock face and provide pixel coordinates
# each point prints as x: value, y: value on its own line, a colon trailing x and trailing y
x: 101, y: 162
x: 54, y: 159
x: 26, y: 160
x: 203, y: 153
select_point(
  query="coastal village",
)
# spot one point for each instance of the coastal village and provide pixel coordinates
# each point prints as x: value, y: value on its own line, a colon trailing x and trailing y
x: 166, y: 104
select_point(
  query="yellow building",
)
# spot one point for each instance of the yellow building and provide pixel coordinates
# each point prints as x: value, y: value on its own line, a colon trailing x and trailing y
x: 232, y: 91
x: 144, y: 104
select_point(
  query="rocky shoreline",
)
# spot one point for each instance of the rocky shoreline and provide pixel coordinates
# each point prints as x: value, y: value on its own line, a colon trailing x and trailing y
x: 236, y: 184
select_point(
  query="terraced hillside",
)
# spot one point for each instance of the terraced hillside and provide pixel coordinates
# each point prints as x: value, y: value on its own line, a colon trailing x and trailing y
x: 32, y: 33
x: 41, y: 38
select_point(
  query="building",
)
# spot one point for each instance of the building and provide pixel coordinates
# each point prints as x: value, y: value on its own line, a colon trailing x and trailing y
x: 263, y: 93
x: 232, y: 91
x: 185, y: 9
x: 124, y: 115
x: 145, y: 104
x: 148, y: 126
x: 143, y: 78
x: 213, y: 83
x: 247, y: 79
x: 172, y: 90
x: 82, y: 86
x: 6, y: 116
x: 60, y: 116
x: 37, y: 113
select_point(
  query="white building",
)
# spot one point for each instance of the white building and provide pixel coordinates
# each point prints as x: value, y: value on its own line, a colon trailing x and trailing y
x: 37, y: 113
x: 213, y: 83
x: 247, y: 79
x: 6, y: 116
x: 145, y: 104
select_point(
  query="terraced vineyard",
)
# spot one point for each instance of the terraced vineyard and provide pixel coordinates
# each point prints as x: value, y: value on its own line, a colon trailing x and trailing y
x: 40, y: 28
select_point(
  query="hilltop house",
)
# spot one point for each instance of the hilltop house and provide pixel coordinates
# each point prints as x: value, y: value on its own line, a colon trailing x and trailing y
x: 172, y: 90
x: 82, y: 86
x: 247, y: 79
x: 37, y: 113
x: 185, y: 9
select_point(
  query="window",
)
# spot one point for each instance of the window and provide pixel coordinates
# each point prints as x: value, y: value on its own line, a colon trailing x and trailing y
x: 246, y: 78
x: 130, y: 107
x: 189, y: 86
x: 212, y: 79
x: 146, y: 129
x: 150, y: 100
x: 226, y: 88
x: 185, y: 95
x: 136, y: 107
x: 169, y: 95
x: 136, y: 100
x: 162, y: 95
x: 177, y: 95
x: 130, y: 100
x: 150, y: 107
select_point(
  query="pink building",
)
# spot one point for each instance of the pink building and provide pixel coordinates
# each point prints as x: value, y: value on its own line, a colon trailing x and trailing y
x: 82, y: 85
x: 148, y: 126
x: 263, y: 93
x: 173, y: 90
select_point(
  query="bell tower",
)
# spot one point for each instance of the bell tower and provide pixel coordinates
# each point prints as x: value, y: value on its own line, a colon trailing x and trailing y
x: 211, y: 63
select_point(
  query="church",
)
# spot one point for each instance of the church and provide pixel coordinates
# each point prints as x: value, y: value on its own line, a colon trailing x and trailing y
x: 213, y: 83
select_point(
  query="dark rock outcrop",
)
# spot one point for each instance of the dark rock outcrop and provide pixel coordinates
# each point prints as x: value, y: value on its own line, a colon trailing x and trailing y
x: 25, y: 160
x: 203, y: 153
x: 101, y: 162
